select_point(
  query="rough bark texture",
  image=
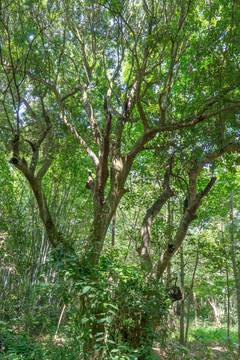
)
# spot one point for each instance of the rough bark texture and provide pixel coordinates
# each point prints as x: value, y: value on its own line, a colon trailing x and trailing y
x: 188, y: 217
x: 145, y: 251
x: 35, y: 180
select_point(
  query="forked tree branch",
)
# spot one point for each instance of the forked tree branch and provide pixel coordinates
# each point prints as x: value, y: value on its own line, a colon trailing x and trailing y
x: 151, y: 213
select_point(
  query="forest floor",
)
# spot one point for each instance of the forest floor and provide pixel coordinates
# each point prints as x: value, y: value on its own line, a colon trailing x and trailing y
x: 197, y: 351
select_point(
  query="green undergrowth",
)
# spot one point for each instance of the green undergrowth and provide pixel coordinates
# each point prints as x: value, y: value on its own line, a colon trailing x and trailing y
x: 211, y: 333
x: 17, y: 344
x: 206, y: 333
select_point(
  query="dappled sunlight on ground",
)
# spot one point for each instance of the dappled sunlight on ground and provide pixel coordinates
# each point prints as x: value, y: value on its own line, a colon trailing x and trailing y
x: 197, y: 351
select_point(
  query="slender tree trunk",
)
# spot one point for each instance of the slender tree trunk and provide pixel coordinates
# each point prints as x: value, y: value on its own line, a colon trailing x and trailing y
x: 169, y: 237
x: 225, y: 306
x: 195, y: 309
x: 89, y: 350
x: 59, y: 321
x: 113, y: 229
x: 190, y: 297
x: 235, y: 266
x: 183, y: 300
x: 191, y: 292
x: 171, y: 311
x: 228, y: 308
x: 214, y: 306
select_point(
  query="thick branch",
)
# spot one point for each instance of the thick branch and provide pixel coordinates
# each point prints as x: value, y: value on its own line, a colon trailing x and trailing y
x: 36, y: 186
x: 190, y: 122
x: 142, y: 115
x: 188, y: 217
x: 43, y: 170
x: 89, y: 183
x: 45, y: 214
x: 151, y: 213
x: 196, y: 169
x: 103, y: 170
x: 71, y: 93
x: 147, y: 224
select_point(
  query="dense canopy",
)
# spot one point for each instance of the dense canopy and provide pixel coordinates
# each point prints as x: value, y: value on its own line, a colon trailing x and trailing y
x: 116, y: 108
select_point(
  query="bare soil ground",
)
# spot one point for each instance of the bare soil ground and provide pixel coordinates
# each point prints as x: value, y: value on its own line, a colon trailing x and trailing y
x: 197, y: 351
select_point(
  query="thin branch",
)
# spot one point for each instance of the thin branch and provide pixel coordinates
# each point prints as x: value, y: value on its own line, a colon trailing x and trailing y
x: 190, y: 122
x: 81, y: 141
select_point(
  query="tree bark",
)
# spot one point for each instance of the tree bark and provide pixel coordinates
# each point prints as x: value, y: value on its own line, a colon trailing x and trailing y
x: 228, y: 308
x: 214, y: 306
x: 182, y: 303
x: 145, y: 251
x: 188, y: 217
x: 113, y: 230
x: 35, y: 181
x: 195, y: 309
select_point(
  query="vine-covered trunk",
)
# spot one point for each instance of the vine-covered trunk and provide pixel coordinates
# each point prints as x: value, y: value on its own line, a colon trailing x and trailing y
x: 90, y: 352
x: 102, y: 217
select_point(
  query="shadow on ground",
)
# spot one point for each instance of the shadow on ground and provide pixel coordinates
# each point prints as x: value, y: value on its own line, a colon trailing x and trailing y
x: 197, y: 351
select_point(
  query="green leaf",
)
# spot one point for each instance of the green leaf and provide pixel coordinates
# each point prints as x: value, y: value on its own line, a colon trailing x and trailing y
x: 86, y: 289
x: 84, y: 320
x: 107, y: 320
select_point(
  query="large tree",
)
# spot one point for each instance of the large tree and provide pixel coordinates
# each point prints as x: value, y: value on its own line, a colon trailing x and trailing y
x: 124, y: 78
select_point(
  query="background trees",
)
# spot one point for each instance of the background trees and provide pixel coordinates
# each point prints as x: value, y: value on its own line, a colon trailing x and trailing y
x: 99, y: 98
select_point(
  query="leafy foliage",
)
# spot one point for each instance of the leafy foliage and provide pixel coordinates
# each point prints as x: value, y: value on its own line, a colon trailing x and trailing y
x: 121, y: 123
